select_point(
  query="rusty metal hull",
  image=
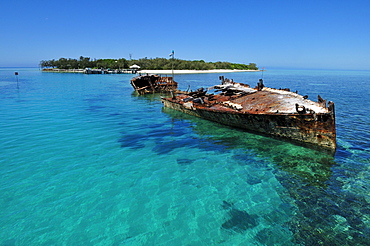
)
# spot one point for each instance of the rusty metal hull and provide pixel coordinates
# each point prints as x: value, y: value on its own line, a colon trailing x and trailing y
x: 298, y: 127
x: 303, y: 126
x: 145, y: 84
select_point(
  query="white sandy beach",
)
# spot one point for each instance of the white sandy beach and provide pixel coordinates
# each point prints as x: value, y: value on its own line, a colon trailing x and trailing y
x: 194, y: 71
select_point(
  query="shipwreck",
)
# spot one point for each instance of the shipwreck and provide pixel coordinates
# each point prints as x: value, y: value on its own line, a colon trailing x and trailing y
x: 273, y: 112
x: 151, y: 83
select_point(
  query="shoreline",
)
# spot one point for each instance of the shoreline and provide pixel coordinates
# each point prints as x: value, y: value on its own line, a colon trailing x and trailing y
x: 130, y: 71
x: 194, y: 71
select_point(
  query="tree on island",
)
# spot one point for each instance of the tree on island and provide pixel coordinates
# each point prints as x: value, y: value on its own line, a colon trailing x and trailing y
x: 144, y: 63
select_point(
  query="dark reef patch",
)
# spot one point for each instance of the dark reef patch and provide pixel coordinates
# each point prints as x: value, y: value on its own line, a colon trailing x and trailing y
x: 132, y: 141
x: 239, y: 221
x: 184, y: 161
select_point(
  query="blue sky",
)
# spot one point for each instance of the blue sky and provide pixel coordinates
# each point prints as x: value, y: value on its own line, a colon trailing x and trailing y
x: 285, y: 34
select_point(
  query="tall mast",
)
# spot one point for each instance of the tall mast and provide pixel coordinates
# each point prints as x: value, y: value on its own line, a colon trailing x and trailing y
x: 173, y: 58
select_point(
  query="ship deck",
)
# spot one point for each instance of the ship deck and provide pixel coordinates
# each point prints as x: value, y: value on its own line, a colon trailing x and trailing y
x: 265, y: 101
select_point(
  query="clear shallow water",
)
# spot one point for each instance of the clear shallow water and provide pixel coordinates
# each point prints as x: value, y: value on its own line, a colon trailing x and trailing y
x: 84, y: 161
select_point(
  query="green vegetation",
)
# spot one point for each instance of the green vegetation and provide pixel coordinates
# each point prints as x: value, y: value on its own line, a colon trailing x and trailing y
x: 144, y: 63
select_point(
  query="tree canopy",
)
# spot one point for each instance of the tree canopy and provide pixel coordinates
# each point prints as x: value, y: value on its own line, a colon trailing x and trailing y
x: 144, y: 63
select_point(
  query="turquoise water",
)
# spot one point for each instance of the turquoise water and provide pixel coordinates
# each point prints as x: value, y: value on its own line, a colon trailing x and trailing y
x: 85, y: 161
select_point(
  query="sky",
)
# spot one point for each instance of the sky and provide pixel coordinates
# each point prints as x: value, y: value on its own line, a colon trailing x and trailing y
x: 298, y: 34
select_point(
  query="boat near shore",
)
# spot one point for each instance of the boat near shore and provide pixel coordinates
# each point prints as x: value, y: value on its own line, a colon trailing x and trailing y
x: 273, y: 112
x: 152, y: 83
x: 91, y: 71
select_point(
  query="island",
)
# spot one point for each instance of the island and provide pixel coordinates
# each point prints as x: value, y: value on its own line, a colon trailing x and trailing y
x: 143, y: 65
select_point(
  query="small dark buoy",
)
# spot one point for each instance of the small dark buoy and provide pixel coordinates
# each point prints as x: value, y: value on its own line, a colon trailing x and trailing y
x: 16, y: 75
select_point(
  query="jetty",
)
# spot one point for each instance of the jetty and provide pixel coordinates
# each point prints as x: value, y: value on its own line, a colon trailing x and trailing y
x: 91, y: 71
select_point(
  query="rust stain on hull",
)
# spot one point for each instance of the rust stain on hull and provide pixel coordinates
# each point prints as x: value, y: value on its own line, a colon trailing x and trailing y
x: 145, y: 84
x: 273, y: 112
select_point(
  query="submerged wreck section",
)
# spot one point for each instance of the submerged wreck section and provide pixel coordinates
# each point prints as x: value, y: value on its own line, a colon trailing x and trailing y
x: 274, y: 112
x: 151, y: 83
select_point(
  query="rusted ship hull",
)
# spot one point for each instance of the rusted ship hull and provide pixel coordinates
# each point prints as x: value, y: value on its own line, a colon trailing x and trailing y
x: 146, y: 84
x: 303, y: 126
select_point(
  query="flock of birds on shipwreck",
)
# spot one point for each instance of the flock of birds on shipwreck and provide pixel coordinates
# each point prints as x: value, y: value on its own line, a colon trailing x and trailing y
x: 274, y: 112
